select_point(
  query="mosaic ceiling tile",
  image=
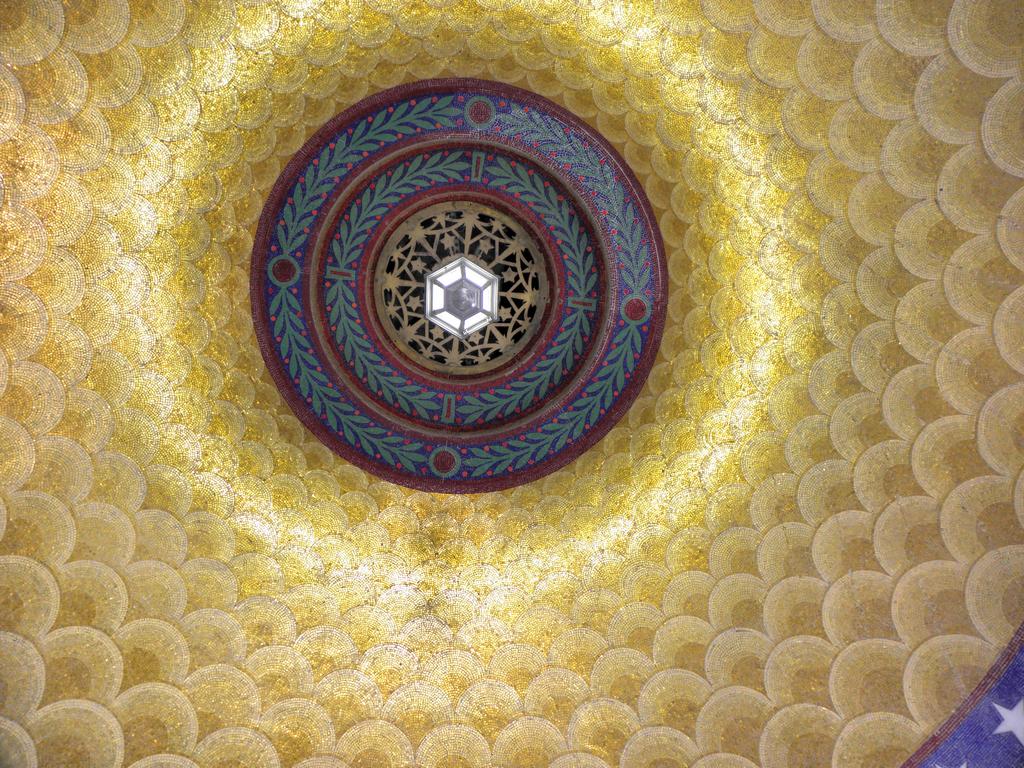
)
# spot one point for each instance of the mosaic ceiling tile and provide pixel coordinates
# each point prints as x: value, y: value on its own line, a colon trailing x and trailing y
x: 802, y: 544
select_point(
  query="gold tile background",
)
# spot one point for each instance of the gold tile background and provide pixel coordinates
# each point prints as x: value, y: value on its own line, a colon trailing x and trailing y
x: 803, y: 546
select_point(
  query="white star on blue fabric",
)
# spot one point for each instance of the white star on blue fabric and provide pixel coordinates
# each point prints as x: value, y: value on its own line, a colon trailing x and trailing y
x: 1013, y: 721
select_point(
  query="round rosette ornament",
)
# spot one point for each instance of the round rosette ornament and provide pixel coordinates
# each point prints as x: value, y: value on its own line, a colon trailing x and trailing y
x: 458, y: 286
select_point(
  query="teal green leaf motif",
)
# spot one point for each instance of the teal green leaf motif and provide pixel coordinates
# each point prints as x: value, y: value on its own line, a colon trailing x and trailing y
x: 621, y: 221
x: 576, y: 252
x: 349, y: 335
x: 296, y: 349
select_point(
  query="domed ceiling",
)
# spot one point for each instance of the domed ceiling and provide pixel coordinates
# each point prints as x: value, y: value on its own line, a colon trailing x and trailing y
x: 232, y: 531
x: 509, y: 355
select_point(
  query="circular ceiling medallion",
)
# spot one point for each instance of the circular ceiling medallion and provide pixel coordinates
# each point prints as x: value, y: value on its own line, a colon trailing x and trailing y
x: 458, y: 286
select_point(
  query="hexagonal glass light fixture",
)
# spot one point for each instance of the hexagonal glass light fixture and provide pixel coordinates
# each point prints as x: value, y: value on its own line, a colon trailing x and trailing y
x: 462, y: 297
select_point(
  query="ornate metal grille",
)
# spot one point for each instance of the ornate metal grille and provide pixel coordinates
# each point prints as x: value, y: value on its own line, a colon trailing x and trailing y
x: 440, y: 235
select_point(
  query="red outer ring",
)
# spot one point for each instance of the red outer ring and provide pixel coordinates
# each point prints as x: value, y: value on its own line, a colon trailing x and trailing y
x: 264, y: 233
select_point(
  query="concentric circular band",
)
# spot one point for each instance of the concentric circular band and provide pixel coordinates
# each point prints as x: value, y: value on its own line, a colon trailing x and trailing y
x: 317, y: 315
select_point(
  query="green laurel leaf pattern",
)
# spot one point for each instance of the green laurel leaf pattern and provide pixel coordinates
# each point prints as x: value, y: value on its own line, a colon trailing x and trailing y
x: 553, y: 139
x: 385, y: 126
x: 535, y: 384
x: 319, y: 178
x: 635, y: 273
x: 357, y: 349
x: 326, y: 401
x: 547, y: 136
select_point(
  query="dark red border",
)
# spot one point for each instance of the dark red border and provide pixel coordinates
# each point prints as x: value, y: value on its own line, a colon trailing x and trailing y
x: 299, y: 407
x: 544, y: 326
x: 394, y: 417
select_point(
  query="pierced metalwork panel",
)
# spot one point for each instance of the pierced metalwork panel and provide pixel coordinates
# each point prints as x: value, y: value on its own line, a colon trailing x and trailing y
x: 438, y: 236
